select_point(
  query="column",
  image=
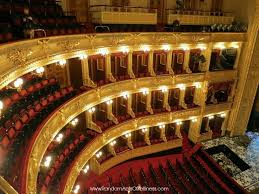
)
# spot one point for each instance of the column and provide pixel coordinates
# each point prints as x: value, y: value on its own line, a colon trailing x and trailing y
x: 146, y: 137
x: 89, y: 122
x: 238, y: 55
x: 169, y: 62
x: 111, y: 150
x: 224, y: 124
x: 95, y: 165
x: 186, y: 61
x: 178, y: 131
x: 181, y: 98
x: 162, y: 133
x: 129, y: 142
x: 207, y: 55
x: 129, y: 106
x: 150, y: 63
x: 85, y: 74
x: 110, y: 115
x: 148, y: 105
x: 108, y: 72
x: 129, y: 69
x: 232, y: 92
x: 194, y: 131
x: 165, y: 100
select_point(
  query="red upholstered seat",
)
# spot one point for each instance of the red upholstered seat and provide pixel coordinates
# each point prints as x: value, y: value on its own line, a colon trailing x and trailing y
x: 51, y: 172
x: 11, y: 133
x: 66, y: 152
x: 7, y: 101
x: 5, y: 142
x: 47, y: 180
x: 71, y: 146
x: 15, y: 97
x: 18, y: 125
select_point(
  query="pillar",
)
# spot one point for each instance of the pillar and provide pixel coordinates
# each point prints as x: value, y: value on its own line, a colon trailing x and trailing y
x: 146, y: 137
x: 110, y: 115
x: 165, y: 100
x: 129, y: 106
x: 207, y: 55
x: 90, y: 124
x: 194, y: 131
x: 148, y: 105
x: 150, y: 63
x: 181, y: 98
x: 129, y: 69
x: 108, y: 73
x: 85, y: 74
x: 162, y: 133
x: 169, y: 62
x: 186, y: 61
x: 129, y: 142
x: 111, y: 150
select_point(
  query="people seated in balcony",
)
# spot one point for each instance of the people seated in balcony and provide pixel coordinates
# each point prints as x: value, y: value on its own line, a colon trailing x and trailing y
x: 29, y: 25
x: 228, y: 58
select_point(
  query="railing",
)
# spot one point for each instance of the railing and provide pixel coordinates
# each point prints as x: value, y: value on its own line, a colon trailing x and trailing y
x: 199, y: 12
x: 108, y: 8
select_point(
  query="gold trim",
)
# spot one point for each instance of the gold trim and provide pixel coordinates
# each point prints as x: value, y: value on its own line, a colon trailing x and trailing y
x: 141, y: 151
x: 6, y: 187
x: 46, y: 51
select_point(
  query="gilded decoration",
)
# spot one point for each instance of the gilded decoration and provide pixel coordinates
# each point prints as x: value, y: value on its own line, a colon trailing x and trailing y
x: 19, y: 57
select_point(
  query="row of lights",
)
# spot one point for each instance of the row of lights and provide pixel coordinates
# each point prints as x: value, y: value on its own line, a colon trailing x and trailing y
x: 144, y: 130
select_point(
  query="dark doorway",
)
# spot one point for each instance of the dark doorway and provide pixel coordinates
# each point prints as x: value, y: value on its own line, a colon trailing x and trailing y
x: 253, y: 124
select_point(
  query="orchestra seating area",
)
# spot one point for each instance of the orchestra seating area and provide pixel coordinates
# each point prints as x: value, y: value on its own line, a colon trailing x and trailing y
x: 191, y: 172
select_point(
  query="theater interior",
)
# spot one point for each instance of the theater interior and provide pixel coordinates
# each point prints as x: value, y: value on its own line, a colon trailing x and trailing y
x: 129, y: 96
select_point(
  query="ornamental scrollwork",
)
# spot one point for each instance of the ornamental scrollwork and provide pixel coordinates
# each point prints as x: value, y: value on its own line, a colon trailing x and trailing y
x: 19, y: 57
x: 68, y: 45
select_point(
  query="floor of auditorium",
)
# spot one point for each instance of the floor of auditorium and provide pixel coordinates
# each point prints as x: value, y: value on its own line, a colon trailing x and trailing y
x: 244, y: 171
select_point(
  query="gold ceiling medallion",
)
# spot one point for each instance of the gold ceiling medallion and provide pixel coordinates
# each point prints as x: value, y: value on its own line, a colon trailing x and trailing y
x: 19, y: 57
x: 68, y: 45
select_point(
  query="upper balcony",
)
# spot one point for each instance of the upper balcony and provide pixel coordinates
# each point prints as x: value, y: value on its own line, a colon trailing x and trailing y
x: 103, y: 14
x: 191, y: 17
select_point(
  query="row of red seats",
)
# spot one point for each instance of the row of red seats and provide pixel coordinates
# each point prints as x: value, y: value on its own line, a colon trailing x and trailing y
x: 121, y: 149
x: 59, y: 160
x: 8, y: 101
x: 104, y: 125
x: 104, y: 158
x: 25, y: 116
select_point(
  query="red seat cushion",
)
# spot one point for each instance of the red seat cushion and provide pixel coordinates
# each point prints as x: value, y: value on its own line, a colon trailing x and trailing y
x: 5, y: 141
x: 11, y: 133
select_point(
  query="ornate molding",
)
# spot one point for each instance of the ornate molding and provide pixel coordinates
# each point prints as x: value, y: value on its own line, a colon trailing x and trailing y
x: 16, y: 58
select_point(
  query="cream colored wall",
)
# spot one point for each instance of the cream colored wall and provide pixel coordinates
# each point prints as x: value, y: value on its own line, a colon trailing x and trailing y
x: 100, y: 2
x: 139, y: 3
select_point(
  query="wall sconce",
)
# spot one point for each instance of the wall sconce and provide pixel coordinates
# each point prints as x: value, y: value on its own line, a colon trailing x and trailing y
x: 103, y: 51
x: 145, y: 91
x: 163, y: 89
x: 125, y: 95
x: 144, y: 130
x: 202, y: 47
x: 74, y: 122
x: 113, y: 143
x: 179, y: 123
x: 124, y: 49
x: 40, y: 70
x: 145, y: 48
x: 161, y: 126
x: 223, y: 115
x: 18, y: 83
x: 109, y: 102
x: 87, y: 167
x: 91, y: 110
x: 185, y: 47
x: 127, y: 135
x: 99, y: 154
x: 77, y: 188
x: 59, y: 137
x: 220, y: 46
x: 62, y: 62
x: 211, y: 117
x: 166, y: 47
x: 82, y: 56
x: 47, y: 161
x: 194, y: 120
x: 235, y: 45
x: 197, y: 85
x: 181, y: 86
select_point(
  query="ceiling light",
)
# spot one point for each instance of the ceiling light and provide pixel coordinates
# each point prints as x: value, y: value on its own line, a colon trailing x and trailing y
x: 87, y: 167
x: 127, y: 135
x: 185, y: 47
x: 144, y: 130
x: 113, y: 143
x: 145, y: 91
x: 161, y: 126
x: 91, y: 110
x: 59, y: 137
x: 125, y: 95
x: 109, y: 102
x: 99, y: 154
x: 124, y: 49
x: 82, y: 56
x: 62, y: 62
x: 77, y: 188
x: 145, y: 48
x: 166, y: 47
x: 103, y: 51
x: 163, y: 89
x: 211, y: 117
x: 40, y: 70
x: 18, y: 83
x: 47, y: 161
x: 74, y: 122
x: 197, y: 85
x: 181, y: 86
x: 223, y: 115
